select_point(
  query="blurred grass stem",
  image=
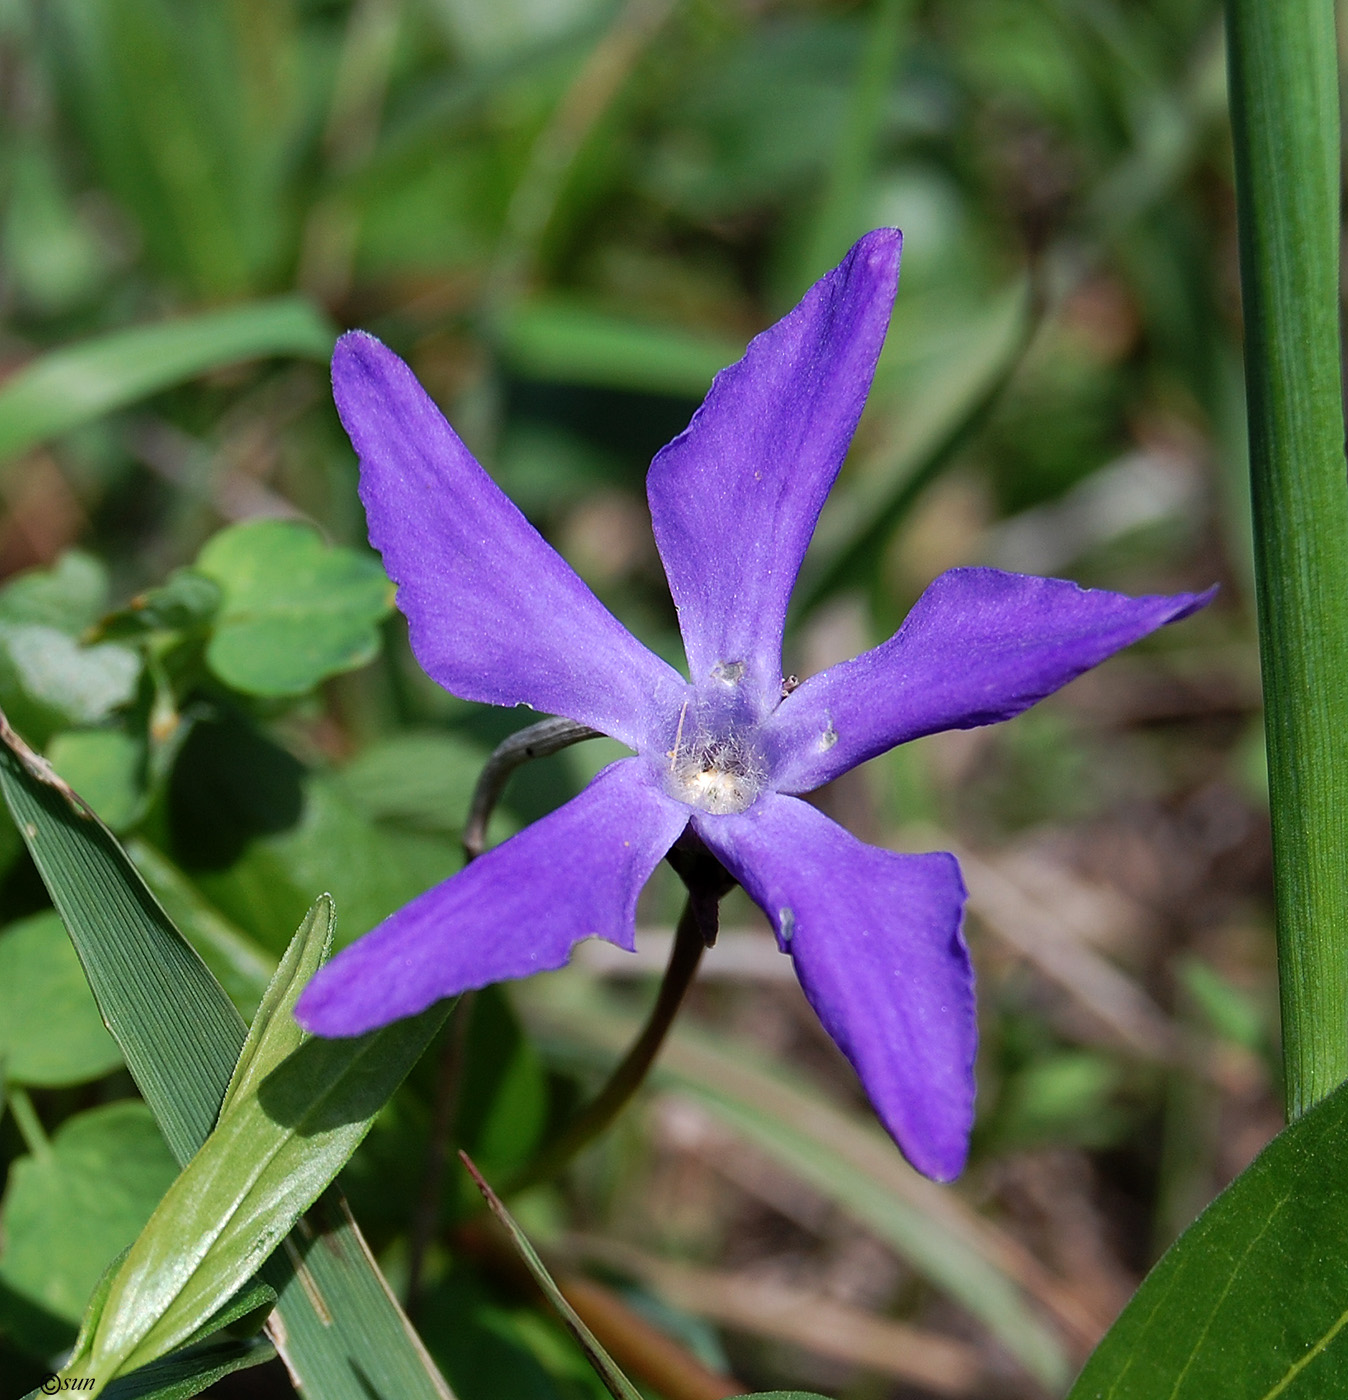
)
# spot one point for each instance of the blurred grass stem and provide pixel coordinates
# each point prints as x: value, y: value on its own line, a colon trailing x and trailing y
x: 30, y: 1127
x: 1285, y: 118
x: 558, y: 145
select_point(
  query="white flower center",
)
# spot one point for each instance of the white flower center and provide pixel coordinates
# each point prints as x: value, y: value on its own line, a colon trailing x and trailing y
x: 720, y: 773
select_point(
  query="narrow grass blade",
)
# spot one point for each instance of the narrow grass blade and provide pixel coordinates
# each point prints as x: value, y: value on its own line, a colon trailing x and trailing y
x: 178, y: 1031
x: 605, y: 1367
x: 72, y: 386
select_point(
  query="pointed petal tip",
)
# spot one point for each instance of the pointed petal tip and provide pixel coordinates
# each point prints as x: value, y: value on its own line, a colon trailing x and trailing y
x: 358, y: 355
x: 880, y: 246
x: 1186, y: 604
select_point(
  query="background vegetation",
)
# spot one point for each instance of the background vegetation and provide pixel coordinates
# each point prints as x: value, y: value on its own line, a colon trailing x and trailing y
x: 568, y: 216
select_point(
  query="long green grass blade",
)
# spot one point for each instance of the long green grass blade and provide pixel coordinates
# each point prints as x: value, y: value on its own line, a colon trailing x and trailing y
x: 178, y: 1031
x: 69, y: 387
x: 1285, y: 120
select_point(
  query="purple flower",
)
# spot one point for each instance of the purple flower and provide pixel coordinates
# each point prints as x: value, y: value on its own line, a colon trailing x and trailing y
x: 497, y: 616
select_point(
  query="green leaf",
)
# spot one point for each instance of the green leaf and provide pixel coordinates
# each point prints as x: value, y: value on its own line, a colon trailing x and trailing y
x: 295, y: 609
x: 781, y: 1395
x: 295, y: 1110
x: 50, y: 1030
x: 369, y: 870
x: 421, y: 780
x: 66, y: 1214
x: 605, y: 1367
x: 1250, y: 1301
x: 345, y: 1336
x: 69, y: 387
x: 105, y: 766
x: 69, y: 596
x: 48, y: 674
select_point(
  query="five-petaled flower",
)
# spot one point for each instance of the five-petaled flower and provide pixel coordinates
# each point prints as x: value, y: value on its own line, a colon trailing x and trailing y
x: 496, y: 615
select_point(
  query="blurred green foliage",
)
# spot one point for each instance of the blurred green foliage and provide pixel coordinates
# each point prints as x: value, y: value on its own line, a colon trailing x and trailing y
x: 568, y: 214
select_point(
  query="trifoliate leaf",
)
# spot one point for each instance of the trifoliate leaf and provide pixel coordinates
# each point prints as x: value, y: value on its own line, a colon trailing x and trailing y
x: 295, y: 610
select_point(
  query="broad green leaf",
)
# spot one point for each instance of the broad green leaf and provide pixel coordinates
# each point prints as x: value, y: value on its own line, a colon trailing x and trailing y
x: 47, y: 674
x: 1251, y: 1301
x: 48, y: 677
x: 50, y: 1030
x: 850, y: 1163
x: 67, y: 1214
x: 617, y: 1384
x: 295, y: 1110
x: 577, y: 344
x: 68, y: 596
x: 106, y: 767
x: 295, y: 610
x: 782, y: 1395
x: 69, y: 387
x: 345, y: 1336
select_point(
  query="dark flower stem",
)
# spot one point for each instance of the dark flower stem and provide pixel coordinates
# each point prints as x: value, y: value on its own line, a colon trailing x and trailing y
x: 548, y: 736
x: 1285, y: 125
x: 689, y: 943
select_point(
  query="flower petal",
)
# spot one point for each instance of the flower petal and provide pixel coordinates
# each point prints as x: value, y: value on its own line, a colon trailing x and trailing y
x: 734, y: 498
x: 496, y: 613
x: 517, y: 910
x: 979, y: 646
x: 877, y: 945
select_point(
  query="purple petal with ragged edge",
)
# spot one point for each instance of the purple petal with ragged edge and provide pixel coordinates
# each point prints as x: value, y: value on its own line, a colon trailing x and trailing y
x: 496, y: 613
x: 979, y: 646
x: 517, y: 910
x: 877, y: 945
x: 734, y: 498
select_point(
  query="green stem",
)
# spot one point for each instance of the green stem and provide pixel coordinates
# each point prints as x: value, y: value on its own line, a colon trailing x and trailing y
x: 626, y: 1079
x: 30, y: 1127
x: 1285, y: 119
